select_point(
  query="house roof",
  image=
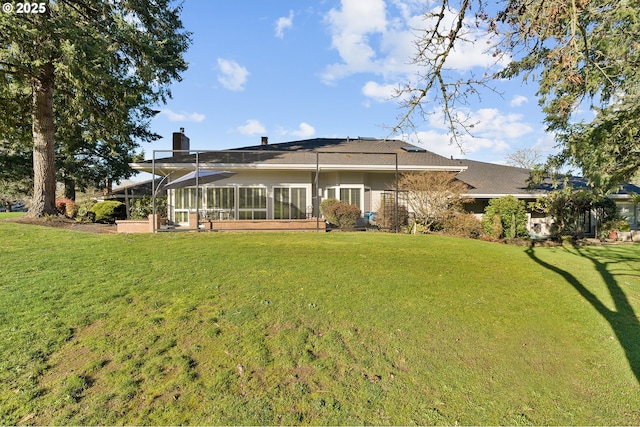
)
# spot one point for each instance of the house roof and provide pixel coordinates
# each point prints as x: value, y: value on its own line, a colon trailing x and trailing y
x: 493, y: 180
x: 329, y: 153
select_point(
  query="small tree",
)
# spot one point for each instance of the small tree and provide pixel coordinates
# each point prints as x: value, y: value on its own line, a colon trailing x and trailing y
x: 567, y: 208
x: 505, y: 217
x: 432, y: 195
x: 527, y: 158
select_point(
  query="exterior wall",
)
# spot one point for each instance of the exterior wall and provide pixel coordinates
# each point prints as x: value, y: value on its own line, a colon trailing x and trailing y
x: 370, y: 184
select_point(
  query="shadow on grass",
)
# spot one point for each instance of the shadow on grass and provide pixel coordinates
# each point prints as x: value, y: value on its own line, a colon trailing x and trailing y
x: 623, y: 319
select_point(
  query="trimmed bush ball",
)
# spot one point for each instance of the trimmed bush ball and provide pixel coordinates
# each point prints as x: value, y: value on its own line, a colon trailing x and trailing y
x: 109, y: 211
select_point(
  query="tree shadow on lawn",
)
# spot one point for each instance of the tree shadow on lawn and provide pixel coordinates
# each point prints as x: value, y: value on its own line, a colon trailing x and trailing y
x: 623, y: 319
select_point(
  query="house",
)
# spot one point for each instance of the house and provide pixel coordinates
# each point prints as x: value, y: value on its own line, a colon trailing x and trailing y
x: 288, y: 181
x: 488, y: 181
x: 267, y: 184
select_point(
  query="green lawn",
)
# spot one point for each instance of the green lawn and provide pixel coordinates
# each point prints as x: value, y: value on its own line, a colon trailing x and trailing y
x: 333, y: 328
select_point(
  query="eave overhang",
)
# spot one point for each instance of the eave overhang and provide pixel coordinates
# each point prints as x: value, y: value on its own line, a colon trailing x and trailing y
x: 163, y: 168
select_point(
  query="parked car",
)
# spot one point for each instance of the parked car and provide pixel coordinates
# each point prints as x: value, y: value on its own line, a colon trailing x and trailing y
x: 18, y: 207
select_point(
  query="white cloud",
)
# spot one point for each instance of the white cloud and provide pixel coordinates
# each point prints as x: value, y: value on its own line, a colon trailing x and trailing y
x: 547, y: 144
x: 487, y: 123
x: 440, y: 143
x: 283, y: 23
x: 252, y: 127
x: 492, y: 130
x: 518, y: 100
x: 350, y: 28
x: 491, y: 123
x: 371, y: 40
x: 378, y: 92
x: 183, y: 116
x: 305, y: 130
x: 233, y: 76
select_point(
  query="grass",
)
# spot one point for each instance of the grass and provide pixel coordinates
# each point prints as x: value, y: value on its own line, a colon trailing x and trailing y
x: 336, y: 328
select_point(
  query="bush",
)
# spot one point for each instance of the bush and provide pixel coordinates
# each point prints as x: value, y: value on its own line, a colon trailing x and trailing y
x: 462, y: 225
x: 142, y: 207
x: 344, y: 215
x: 617, y: 224
x: 109, y: 211
x: 67, y: 207
x: 326, y: 212
x: 84, y: 211
x: 505, y: 217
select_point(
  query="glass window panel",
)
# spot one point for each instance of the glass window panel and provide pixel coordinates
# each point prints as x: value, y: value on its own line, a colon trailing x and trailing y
x: 289, y: 203
x: 185, y: 198
x: 350, y: 195
x: 252, y: 203
x: 220, y: 198
x: 252, y: 198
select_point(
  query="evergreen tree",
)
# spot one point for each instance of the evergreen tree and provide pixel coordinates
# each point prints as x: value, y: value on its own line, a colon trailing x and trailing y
x: 88, y: 73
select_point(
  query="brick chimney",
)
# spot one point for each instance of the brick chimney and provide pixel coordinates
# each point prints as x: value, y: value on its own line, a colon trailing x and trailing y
x: 265, y: 140
x: 180, y: 142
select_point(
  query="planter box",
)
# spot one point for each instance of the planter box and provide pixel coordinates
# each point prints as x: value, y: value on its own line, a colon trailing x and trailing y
x: 265, y: 225
x: 136, y: 226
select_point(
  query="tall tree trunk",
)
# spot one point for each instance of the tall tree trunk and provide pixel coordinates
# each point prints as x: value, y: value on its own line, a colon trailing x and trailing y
x: 44, y: 173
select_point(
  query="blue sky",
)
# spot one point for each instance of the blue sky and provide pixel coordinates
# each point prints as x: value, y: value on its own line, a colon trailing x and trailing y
x: 293, y: 70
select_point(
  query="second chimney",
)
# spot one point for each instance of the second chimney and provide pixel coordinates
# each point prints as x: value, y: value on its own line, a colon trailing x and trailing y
x: 265, y: 140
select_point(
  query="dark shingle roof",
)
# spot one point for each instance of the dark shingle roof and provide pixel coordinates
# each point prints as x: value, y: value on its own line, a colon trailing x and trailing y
x: 336, y: 151
x: 491, y: 178
x: 495, y: 180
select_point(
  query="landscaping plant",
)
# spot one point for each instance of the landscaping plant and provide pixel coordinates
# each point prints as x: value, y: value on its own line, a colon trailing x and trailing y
x: 505, y: 217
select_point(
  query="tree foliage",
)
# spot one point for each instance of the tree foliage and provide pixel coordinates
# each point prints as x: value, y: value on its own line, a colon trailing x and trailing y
x: 15, y: 176
x: 505, y: 217
x: 570, y: 209
x: 82, y: 78
x: 579, y: 53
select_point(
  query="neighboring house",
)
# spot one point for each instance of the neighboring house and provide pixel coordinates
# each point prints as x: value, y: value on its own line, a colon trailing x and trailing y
x: 288, y: 181
x: 489, y: 181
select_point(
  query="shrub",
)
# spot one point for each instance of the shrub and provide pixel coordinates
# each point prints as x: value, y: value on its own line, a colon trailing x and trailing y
x: 344, y: 215
x: 67, y: 207
x: 328, y: 213
x: 109, y: 211
x: 84, y: 211
x: 616, y: 224
x: 462, y: 225
x: 506, y: 216
x: 142, y: 207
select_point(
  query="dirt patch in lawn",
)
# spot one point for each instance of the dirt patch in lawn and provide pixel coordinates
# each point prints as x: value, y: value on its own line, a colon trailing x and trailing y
x: 66, y: 223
